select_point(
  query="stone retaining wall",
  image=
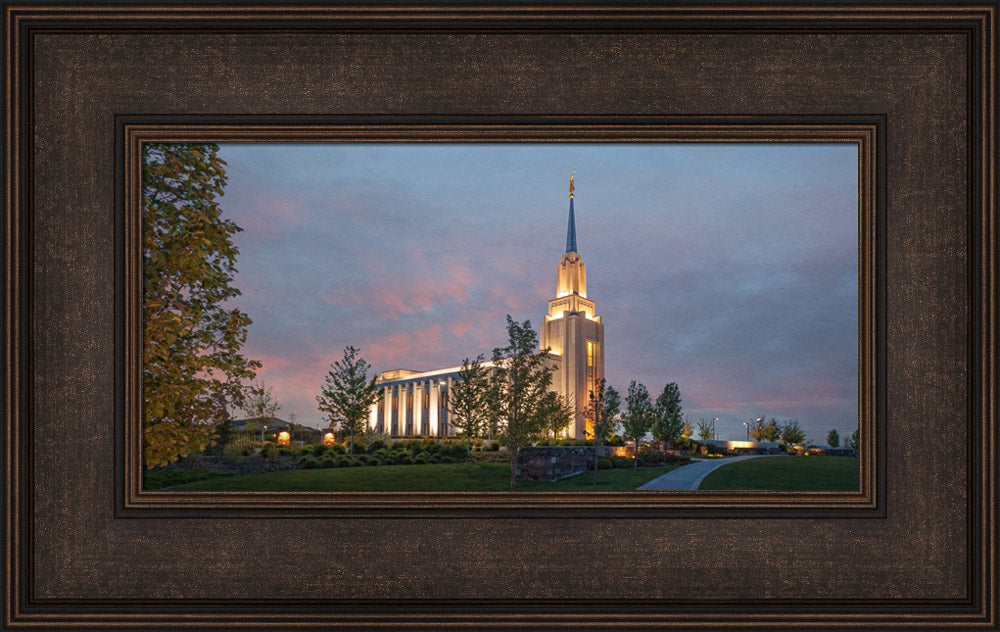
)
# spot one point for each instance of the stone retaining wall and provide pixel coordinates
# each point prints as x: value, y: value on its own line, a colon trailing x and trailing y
x: 550, y: 463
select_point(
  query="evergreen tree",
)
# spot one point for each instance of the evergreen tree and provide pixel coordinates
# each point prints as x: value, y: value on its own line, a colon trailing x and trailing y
x: 668, y: 424
x: 469, y: 400
x: 556, y: 413
x: 521, y: 379
x: 348, y: 394
x: 638, y: 416
x: 791, y: 434
x: 833, y: 438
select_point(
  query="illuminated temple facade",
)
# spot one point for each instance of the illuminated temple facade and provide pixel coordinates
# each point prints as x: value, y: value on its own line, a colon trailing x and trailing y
x: 415, y: 403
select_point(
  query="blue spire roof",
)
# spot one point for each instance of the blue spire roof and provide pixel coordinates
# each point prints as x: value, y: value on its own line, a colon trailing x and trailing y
x: 571, y: 230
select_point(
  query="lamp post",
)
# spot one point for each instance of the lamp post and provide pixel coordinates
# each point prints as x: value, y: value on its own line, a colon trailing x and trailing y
x: 262, y: 430
x: 746, y: 424
x: 714, y: 436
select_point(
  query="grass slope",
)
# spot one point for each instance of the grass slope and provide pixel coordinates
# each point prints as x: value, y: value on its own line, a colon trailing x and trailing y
x: 790, y: 473
x: 432, y: 477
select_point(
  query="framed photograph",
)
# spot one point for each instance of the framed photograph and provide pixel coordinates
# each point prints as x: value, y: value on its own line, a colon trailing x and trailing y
x: 751, y: 304
x: 95, y: 95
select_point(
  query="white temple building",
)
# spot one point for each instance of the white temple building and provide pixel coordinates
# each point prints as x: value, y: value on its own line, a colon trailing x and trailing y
x: 414, y: 402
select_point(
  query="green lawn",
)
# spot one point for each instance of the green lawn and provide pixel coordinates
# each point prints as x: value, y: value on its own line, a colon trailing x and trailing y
x: 170, y: 478
x: 431, y: 477
x: 796, y: 473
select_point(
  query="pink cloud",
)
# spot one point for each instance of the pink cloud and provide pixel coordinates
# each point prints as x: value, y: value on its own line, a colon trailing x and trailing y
x: 402, y: 294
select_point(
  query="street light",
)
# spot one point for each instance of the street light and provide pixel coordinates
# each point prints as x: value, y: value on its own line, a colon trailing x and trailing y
x: 714, y: 436
x: 746, y: 424
x: 262, y: 429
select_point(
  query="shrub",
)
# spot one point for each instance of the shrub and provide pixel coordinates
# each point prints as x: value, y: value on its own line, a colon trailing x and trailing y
x: 406, y: 460
x: 344, y: 460
x: 269, y: 452
x: 456, y: 451
x: 286, y: 451
x: 621, y: 461
x: 406, y: 445
x: 421, y: 458
x: 309, y: 462
x: 327, y: 460
x: 233, y: 453
x: 336, y: 448
x: 377, y: 444
x: 489, y: 457
x: 649, y: 456
x: 318, y: 449
x: 448, y: 459
x: 604, y: 463
x: 494, y: 447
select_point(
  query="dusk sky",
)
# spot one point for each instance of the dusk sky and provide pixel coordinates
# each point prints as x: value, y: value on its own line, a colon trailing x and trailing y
x: 730, y: 269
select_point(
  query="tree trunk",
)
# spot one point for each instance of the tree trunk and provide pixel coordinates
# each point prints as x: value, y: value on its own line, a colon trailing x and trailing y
x: 635, y: 457
x: 513, y: 468
x: 469, y: 436
x: 597, y: 458
x: 352, y: 442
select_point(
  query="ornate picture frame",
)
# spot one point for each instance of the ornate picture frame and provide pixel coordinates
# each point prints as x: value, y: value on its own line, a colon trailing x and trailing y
x: 915, y: 547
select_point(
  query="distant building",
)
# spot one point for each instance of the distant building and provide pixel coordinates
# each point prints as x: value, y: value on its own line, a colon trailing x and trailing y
x: 414, y: 402
x: 746, y: 447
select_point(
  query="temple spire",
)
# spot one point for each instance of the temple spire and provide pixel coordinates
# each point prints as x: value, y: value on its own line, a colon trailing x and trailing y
x: 571, y: 228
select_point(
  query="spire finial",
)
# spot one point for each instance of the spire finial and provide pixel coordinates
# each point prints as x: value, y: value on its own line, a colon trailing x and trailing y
x: 571, y: 227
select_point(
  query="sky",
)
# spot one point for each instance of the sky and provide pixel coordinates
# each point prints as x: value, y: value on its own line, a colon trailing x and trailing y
x: 730, y: 269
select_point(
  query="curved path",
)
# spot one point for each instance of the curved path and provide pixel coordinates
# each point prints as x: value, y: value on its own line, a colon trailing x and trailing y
x: 689, y: 477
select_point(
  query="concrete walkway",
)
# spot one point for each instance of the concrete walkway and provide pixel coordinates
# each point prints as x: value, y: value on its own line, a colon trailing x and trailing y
x: 689, y: 477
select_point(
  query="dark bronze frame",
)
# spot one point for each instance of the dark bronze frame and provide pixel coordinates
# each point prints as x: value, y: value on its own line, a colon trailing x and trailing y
x: 85, y: 547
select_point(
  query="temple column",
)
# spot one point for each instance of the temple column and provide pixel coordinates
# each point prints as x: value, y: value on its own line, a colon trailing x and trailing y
x: 434, y: 414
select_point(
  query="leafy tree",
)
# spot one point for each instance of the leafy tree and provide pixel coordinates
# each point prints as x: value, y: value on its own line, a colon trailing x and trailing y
x: 687, y: 430
x: 468, y: 402
x: 772, y: 430
x: 668, y: 423
x: 192, y: 367
x: 854, y: 442
x: 556, y: 413
x: 261, y: 402
x: 758, y: 429
x: 705, y: 430
x: 348, y: 394
x: 791, y: 434
x: 638, y: 416
x: 521, y: 379
x: 604, y: 407
x: 833, y: 438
